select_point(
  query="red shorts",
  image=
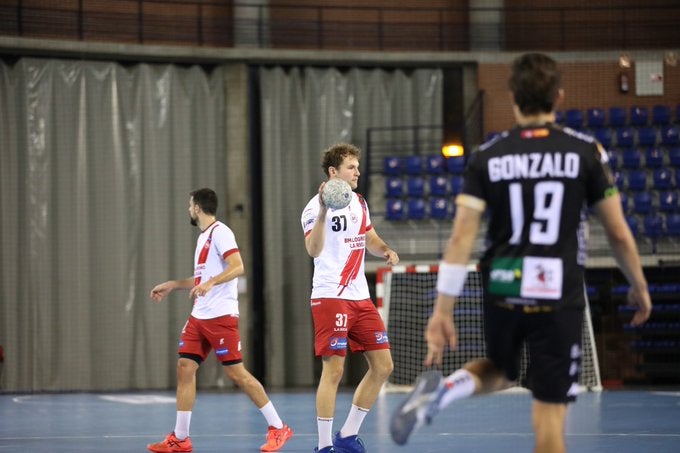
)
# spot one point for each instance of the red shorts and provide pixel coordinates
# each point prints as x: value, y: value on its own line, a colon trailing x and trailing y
x: 199, y: 336
x: 339, y: 323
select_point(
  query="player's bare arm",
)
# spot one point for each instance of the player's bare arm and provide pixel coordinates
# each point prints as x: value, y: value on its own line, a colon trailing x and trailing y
x: 377, y: 247
x: 234, y: 270
x: 316, y: 238
x: 441, y: 329
x: 161, y: 290
x: 625, y: 251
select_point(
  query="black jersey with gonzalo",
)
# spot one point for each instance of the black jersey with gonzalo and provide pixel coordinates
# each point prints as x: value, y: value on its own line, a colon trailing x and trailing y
x: 537, y: 183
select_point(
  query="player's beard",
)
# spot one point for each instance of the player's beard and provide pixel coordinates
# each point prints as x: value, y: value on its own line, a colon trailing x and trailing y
x: 193, y: 221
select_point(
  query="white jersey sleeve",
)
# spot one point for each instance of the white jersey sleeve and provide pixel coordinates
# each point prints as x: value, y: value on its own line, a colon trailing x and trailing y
x: 213, y: 246
x: 339, y: 269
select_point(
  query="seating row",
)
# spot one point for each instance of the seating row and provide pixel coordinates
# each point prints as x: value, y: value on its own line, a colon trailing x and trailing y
x: 433, y: 164
x: 654, y: 225
x: 617, y: 116
x: 640, y: 179
x: 418, y: 186
x: 645, y: 202
x: 439, y: 208
x: 654, y: 157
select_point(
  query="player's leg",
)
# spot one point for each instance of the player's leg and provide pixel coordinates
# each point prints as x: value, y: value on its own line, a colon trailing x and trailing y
x: 548, y: 423
x: 366, y: 332
x: 330, y: 318
x: 223, y: 334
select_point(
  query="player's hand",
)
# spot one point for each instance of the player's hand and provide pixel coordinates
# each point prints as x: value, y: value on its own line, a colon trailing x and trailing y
x: 642, y: 300
x: 321, y: 203
x: 201, y: 290
x: 440, y: 331
x: 159, y: 292
x: 391, y: 257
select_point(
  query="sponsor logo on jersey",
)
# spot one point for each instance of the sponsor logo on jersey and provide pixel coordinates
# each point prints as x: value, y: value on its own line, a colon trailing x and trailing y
x: 222, y: 351
x: 381, y: 337
x: 181, y: 343
x: 338, y: 343
x: 505, y: 278
x: 535, y: 133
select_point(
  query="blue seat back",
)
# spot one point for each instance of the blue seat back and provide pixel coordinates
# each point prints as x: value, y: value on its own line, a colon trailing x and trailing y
x: 625, y: 137
x: 637, y: 179
x: 642, y: 202
x: 668, y: 201
x: 647, y: 136
x: 670, y: 135
x: 604, y: 136
x: 574, y: 118
x: 631, y: 157
x: 456, y: 184
x: 654, y: 157
x: 661, y: 115
x: 392, y: 166
x: 633, y: 224
x: 439, y: 208
x: 416, y: 208
x: 654, y: 225
x: 394, y: 187
x: 674, y: 155
x: 435, y: 164
x: 673, y: 224
x: 456, y: 164
x: 413, y: 165
x: 638, y: 115
x: 438, y: 185
x: 662, y: 179
x: 595, y: 117
x: 394, y: 209
x: 617, y: 116
x: 415, y: 186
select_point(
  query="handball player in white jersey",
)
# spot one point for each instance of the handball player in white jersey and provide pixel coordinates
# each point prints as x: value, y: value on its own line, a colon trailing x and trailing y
x: 343, y: 313
x: 213, y: 324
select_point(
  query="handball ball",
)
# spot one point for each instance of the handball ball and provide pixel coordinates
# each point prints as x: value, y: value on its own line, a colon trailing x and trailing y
x: 337, y: 193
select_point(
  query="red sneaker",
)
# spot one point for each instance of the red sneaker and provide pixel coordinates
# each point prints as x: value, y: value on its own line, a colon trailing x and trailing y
x: 276, y: 438
x: 170, y: 444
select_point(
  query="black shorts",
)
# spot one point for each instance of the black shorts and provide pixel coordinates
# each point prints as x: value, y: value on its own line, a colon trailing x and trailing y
x: 554, y: 344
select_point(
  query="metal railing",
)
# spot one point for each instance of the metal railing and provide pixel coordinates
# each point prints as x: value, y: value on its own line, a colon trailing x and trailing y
x: 224, y: 23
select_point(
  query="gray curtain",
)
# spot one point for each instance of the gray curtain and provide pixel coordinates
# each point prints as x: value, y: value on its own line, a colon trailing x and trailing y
x: 96, y: 163
x: 305, y: 110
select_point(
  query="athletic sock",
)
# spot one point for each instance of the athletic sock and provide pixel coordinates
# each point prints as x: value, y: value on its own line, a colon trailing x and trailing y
x: 354, y: 420
x: 269, y: 412
x: 182, y: 424
x: 325, y: 427
x: 459, y: 385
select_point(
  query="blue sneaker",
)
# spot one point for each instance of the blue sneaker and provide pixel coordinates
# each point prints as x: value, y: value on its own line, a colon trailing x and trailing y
x: 349, y: 444
x: 421, y: 405
x: 324, y: 450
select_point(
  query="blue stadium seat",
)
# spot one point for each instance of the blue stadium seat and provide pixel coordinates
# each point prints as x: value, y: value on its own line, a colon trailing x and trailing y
x: 595, y: 117
x: 625, y: 137
x: 559, y: 117
x: 633, y: 224
x: 662, y: 179
x: 637, y: 180
x: 604, y: 136
x: 624, y: 202
x: 661, y: 115
x: 617, y: 116
x: 642, y: 202
x: 435, y: 164
x: 456, y: 184
x: 392, y: 166
x: 670, y: 135
x: 394, y: 209
x: 574, y: 118
x: 654, y: 157
x: 631, y: 158
x: 613, y: 158
x: 638, y: 115
x: 439, y: 208
x: 394, y: 187
x: 416, y: 208
x: 674, y: 156
x: 413, y: 165
x: 668, y: 201
x: 438, y: 185
x: 654, y: 226
x: 647, y: 136
x: 673, y: 224
x: 456, y: 164
x: 619, y: 179
x: 415, y: 186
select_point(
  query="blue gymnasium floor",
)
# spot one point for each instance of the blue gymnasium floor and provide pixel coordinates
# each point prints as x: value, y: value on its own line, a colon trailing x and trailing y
x: 611, y: 421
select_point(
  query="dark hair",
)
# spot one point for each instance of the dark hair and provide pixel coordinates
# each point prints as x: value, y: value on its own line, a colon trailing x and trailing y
x: 535, y: 83
x: 206, y: 199
x: 334, y: 155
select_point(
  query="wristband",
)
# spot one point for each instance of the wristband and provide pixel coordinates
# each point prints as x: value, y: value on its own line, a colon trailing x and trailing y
x: 451, y: 278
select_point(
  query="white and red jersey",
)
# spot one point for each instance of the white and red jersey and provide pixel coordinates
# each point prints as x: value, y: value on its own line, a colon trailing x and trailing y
x: 339, y: 269
x: 213, y: 246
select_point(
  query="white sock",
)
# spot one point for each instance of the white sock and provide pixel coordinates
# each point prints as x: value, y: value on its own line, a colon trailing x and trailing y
x: 460, y: 385
x: 325, y: 427
x: 182, y: 424
x: 354, y: 420
x: 271, y: 415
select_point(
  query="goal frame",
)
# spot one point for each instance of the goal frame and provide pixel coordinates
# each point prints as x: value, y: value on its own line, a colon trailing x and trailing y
x: 383, y: 289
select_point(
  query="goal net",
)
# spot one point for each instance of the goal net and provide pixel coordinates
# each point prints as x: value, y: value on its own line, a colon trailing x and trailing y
x: 405, y: 298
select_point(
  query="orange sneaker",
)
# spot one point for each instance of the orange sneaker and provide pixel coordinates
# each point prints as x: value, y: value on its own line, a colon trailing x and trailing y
x: 170, y: 444
x: 276, y: 438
